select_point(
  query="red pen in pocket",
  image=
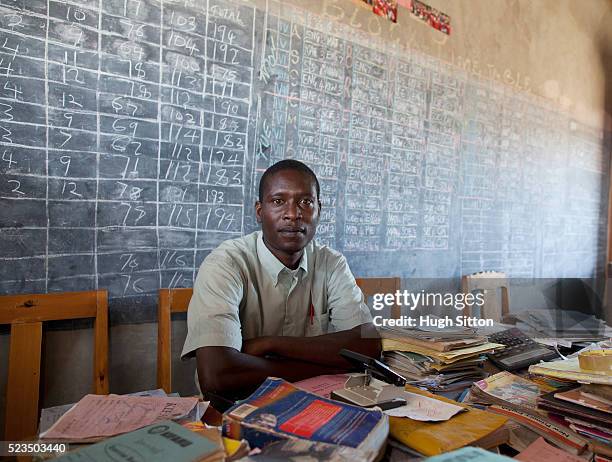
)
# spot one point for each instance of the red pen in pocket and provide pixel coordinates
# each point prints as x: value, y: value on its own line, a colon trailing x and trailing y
x: 311, y: 314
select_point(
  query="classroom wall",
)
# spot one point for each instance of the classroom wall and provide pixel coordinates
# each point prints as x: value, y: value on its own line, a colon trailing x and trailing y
x: 559, y: 50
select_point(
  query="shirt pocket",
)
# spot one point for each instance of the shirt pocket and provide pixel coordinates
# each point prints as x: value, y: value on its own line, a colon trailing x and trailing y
x: 318, y: 322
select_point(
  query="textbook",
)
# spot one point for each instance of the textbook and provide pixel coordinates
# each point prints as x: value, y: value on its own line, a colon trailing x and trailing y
x: 508, y: 390
x: 474, y: 427
x: 159, y: 442
x: 562, y: 436
x: 279, y: 411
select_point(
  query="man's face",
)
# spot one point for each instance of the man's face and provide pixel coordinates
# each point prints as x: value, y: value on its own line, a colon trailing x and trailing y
x: 288, y: 212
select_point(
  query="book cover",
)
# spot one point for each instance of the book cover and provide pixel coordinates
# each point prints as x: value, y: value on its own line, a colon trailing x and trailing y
x: 159, y: 442
x: 577, y: 396
x: 509, y: 390
x: 432, y: 438
x: 470, y: 454
x: 278, y: 410
x: 550, y: 403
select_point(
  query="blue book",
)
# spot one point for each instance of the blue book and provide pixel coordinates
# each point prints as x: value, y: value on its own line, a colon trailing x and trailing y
x: 279, y: 411
x: 469, y: 454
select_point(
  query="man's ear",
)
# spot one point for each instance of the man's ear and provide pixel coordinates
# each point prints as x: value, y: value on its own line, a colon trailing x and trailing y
x: 258, y: 211
x: 319, y: 215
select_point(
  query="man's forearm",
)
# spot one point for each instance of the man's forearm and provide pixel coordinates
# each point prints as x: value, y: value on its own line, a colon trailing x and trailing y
x: 325, y: 349
x: 244, y: 372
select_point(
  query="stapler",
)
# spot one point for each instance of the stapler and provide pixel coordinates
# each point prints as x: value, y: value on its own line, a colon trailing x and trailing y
x: 377, y: 386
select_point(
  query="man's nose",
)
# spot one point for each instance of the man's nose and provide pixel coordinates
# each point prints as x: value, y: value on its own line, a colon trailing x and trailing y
x: 292, y: 211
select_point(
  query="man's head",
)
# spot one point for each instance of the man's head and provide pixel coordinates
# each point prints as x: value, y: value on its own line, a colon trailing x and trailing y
x: 288, y: 208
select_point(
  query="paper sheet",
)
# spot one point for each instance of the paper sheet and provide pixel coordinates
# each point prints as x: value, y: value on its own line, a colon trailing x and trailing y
x: 99, y: 416
x: 442, y: 356
x: 323, y: 385
x: 540, y: 451
x: 424, y: 409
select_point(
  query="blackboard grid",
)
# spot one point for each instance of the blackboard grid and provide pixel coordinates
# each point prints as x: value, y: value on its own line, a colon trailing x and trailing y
x: 134, y: 132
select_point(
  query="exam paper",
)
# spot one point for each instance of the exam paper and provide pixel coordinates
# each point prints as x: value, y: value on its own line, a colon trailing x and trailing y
x: 424, y: 409
x: 323, y: 385
x: 99, y: 416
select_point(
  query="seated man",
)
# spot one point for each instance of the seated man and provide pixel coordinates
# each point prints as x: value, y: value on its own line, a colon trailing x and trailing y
x: 274, y: 303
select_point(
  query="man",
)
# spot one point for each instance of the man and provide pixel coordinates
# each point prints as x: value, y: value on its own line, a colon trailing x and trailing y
x: 274, y: 303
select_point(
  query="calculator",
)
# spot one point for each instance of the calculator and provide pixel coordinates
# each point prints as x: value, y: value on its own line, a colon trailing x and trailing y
x: 521, y: 351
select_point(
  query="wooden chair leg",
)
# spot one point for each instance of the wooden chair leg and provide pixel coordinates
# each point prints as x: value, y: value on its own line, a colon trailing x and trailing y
x: 101, y: 383
x: 23, y: 381
x: 164, y: 346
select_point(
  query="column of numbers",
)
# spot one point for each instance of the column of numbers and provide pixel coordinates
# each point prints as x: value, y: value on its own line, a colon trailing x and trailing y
x: 72, y: 144
x: 227, y: 92
x: 128, y: 258
x: 23, y: 184
x: 181, y: 120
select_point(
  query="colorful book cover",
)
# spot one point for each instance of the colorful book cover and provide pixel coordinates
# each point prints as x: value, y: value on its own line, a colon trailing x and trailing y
x: 278, y: 410
x: 510, y: 390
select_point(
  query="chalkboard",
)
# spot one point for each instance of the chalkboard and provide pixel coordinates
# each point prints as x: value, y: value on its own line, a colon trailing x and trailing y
x: 133, y: 134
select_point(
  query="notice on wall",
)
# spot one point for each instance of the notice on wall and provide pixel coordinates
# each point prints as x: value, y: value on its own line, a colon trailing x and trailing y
x: 384, y: 8
x: 431, y: 16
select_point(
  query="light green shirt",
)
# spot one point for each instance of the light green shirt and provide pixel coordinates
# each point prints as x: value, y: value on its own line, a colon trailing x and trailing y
x: 243, y: 291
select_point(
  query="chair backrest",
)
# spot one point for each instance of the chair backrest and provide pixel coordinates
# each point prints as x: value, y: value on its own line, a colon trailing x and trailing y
x: 170, y: 301
x: 25, y: 314
x: 371, y: 286
x: 489, y: 283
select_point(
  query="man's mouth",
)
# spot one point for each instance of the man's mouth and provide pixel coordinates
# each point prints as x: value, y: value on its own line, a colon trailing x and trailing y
x: 292, y: 230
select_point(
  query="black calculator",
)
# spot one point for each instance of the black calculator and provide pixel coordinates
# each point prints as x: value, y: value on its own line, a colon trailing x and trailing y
x: 521, y: 351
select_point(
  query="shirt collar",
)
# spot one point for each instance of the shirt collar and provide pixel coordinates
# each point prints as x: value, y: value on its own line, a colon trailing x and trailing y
x: 272, y: 264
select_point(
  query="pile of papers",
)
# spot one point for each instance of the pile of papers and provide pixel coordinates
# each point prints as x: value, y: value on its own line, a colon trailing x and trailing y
x: 437, y: 359
x: 147, y: 425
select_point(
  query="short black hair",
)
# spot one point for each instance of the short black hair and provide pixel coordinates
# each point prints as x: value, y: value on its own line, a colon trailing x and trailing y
x: 287, y: 164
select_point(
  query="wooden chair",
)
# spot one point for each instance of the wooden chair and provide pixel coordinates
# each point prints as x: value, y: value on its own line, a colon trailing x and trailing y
x: 170, y: 301
x: 177, y: 301
x: 371, y: 286
x: 25, y: 314
x: 488, y: 282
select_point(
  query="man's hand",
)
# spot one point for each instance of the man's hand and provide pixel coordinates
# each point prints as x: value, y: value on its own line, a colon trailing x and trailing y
x: 259, y: 346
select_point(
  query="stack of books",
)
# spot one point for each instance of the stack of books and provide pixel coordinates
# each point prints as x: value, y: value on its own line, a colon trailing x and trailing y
x: 508, y: 390
x: 437, y: 359
x: 587, y: 410
x: 517, y: 398
x: 290, y: 422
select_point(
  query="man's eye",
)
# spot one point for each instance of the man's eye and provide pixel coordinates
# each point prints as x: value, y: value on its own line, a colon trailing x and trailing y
x: 307, y: 202
x: 277, y: 201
